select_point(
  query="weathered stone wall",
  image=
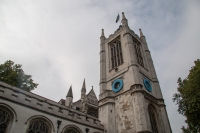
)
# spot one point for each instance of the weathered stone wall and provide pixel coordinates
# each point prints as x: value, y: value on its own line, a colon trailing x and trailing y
x: 125, y: 118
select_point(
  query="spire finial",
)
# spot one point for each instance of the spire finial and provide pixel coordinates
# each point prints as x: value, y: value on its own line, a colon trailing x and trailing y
x: 124, y: 20
x: 70, y: 94
x: 83, y: 90
x: 123, y: 16
x: 102, y: 32
x: 141, y: 34
x: 83, y: 87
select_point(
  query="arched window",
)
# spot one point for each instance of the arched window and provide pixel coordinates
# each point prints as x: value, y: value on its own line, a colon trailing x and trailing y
x: 5, y: 119
x: 39, y: 126
x: 116, y: 53
x: 71, y: 129
x: 153, y: 120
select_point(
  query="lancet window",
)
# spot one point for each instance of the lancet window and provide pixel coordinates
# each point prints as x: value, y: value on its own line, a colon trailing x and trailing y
x: 38, y: 126
x: 138, y: 54
x: 116, y: 54
x: 5, y: 119
x: 153, y: 120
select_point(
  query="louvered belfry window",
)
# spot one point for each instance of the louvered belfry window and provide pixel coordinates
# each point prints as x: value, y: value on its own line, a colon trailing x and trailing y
x: 116, y: 53
x: 153, y: 120
x: 138, y: 54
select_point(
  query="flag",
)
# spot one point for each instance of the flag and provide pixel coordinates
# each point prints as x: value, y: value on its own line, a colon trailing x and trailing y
x: 117, y: 19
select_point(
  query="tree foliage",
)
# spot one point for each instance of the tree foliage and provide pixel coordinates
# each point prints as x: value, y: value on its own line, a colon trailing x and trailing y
x: 188, y: 99
x: 13, y: 74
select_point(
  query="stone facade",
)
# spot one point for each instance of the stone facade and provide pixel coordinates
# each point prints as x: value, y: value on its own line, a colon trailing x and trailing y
x: 133, y: 109
x: 24, y: 107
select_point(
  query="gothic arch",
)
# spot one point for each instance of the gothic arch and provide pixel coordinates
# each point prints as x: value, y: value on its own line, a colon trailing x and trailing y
x: 151, y: 105
x: 71, y: 127
x: 8, y: 117
x: 153, y: 117
x: 41, y: 118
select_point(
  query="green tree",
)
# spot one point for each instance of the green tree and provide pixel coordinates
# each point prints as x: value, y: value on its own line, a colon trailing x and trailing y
x: 188, y: 99
x: 13, y: 74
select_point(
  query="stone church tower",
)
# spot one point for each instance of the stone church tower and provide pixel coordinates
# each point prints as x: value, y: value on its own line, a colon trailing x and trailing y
x: 130, y: 99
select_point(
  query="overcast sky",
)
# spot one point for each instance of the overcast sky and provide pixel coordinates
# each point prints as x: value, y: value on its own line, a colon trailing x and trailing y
x: 57, y: 41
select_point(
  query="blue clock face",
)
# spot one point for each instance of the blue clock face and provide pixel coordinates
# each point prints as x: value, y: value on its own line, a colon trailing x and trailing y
x: 147, y: 85
x: 117, y: 85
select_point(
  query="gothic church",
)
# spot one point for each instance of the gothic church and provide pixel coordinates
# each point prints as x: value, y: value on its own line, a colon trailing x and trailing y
x: 130, y: 99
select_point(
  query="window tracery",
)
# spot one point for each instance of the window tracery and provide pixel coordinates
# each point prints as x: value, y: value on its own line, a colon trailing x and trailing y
x: 38, y: 126
x: 116, y: 54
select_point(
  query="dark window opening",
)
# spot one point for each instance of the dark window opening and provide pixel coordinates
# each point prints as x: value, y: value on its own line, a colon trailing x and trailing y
x: 77, y: 108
